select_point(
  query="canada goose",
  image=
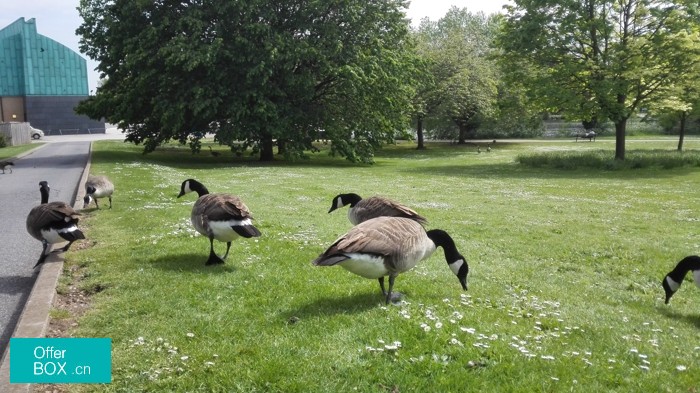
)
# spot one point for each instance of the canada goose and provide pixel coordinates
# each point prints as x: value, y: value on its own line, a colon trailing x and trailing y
x: 97, y: 187
x: 222, y: 217
x: 6, y: 165
x: 214, y: 153
x: 376, y: 206
x: 674, y: 279
x: 388, y: 246
x: 52, y: 223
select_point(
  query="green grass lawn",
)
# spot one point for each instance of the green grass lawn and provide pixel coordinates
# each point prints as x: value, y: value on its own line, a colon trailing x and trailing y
x: 564, y: 290
x: 13, y: 151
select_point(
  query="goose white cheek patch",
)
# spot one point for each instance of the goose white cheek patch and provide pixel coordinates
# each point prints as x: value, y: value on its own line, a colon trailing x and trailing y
x: 456, y: 265
x: 696, y: 276
x: 672, y: 284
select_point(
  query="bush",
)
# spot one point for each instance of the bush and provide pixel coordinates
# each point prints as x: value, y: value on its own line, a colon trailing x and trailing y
x: 605, y: 160
x: 3, y: 142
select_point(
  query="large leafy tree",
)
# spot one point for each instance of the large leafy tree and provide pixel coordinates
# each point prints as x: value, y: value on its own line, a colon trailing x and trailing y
x: 253, y: 72
x: 461, y: 86
x: 598, y: 59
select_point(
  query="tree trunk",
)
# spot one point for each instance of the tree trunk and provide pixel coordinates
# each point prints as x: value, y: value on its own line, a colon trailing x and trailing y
x: 684, y: 117
x: 266, y: 148
x: 620, y: 127
x: 419, y: 133
x: 463, y: 130
x: 281, y: 146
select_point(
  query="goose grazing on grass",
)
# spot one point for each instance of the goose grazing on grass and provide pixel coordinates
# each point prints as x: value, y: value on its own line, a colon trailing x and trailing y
x: 674, y: 279
x: 52, y: 223
x: 97, y: 187
x: 6, y: 165
x: 376, y: 206
x: 222, y: 217
x: 389, y: 246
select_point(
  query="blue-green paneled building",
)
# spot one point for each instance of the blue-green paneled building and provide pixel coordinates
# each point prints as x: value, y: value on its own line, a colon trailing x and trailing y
x: 41, y: 81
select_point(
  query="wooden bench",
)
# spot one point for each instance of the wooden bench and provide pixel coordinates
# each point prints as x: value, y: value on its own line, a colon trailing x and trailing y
x: 590, y: 135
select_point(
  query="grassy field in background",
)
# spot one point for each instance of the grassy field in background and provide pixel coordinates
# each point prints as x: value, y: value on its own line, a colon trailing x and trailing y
x: 564, y: 290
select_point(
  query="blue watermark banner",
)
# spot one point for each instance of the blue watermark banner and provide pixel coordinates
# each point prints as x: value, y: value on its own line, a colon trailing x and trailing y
x: 60, y: 360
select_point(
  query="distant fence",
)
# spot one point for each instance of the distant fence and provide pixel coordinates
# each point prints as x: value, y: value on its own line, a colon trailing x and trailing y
x: 16, y: 133
x: 75, y: 131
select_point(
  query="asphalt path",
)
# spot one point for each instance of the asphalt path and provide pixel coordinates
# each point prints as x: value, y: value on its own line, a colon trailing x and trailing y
x: 60, y: 161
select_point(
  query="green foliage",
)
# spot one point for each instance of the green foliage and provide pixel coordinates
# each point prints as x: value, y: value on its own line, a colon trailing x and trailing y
x: 603, y: 160
x: 598, y: 60
x: 460, y: 88
x: 3, y: 142
x: 564, y: 292
x: 251, y: 72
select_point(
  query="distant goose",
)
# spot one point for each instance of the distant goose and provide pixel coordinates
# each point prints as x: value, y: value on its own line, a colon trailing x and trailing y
x: 389, y: 246
x: 376, y: 206
x: 97, y: 187
x: 674, y: 279
x: 52, y: 223
x: 214, y: 153
x: 222, y: 217
x: 6, y: 165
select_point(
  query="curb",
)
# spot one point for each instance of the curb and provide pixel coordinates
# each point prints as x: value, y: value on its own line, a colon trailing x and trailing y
x: 34, y: 319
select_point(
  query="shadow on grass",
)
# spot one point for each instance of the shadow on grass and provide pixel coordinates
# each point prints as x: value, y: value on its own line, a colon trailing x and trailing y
x: 690, y: 319
x: 517, y: 171
x: 182, y: 157
x: 192, y: 263
x: 568, y: 164
x: 341, y: 305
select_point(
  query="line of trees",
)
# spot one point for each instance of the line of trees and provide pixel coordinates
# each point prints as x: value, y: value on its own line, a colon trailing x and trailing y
x: 259, y: 75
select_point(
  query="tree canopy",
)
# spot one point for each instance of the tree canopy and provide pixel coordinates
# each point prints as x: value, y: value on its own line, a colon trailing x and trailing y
x: 254, y: 73
x: 461, y: 87
x: 598, y: 59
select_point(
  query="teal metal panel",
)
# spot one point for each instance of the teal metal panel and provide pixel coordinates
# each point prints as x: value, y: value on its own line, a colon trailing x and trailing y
x: 33, y: 64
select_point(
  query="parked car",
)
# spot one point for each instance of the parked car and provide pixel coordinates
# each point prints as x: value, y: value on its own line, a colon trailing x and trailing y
x: 36, y: 133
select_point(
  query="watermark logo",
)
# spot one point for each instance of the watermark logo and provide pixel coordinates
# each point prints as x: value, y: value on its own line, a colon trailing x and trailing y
x: 60, y: 360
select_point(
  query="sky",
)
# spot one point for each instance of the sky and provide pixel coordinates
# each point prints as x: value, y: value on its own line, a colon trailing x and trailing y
x: 58, y: 19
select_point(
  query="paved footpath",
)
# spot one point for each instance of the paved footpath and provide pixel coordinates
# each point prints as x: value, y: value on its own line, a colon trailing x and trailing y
x: 62, y: 161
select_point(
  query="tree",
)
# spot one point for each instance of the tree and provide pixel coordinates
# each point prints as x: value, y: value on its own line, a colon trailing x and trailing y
x: 597, y: 59
x: 252, y: 72
x: 461, y: 86
x: 681, y: 103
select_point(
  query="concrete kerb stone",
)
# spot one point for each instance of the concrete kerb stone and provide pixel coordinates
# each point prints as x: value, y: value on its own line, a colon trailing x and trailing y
x: 35, y: 316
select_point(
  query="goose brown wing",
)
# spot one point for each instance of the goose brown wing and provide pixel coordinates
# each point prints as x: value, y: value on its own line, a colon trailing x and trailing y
x: 49, y: 214
x: 63, y: 210
x: 382, y: 236
x: 223, y: 207
x: 378, y: 206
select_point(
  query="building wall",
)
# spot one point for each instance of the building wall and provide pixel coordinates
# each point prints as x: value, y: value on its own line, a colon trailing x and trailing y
x: 12, y: 109
x: 47, y: 78
x: 55, y: 115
